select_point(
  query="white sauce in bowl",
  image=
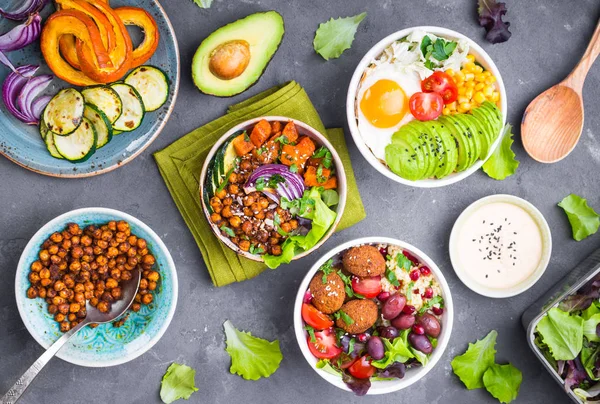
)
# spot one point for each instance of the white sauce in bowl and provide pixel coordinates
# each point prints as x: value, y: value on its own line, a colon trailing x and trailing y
x: 499, y: 245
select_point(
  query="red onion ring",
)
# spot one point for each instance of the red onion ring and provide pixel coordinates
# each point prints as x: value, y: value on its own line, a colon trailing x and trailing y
x: 29, y: 93
x: 27, y: 8
x: 20, y: 91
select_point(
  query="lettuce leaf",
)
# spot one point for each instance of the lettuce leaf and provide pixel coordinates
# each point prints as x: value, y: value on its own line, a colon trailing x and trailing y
x: 203, y: 3
x: 322, y: 218
x: 471, y: 366
x: 178, y: 382
x: 502, y: 163
x: 335, y: 36
x: 563, y: 333
x: 398, y: 351
x: 503, y: 382
x: 589, y: 327
x: 589, y: 356
x: 490, y: 17
x: 584, y: 221
x: 251, y: 357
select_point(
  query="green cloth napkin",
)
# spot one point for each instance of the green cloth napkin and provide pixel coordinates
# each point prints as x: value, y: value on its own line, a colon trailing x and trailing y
x: 181, y: 162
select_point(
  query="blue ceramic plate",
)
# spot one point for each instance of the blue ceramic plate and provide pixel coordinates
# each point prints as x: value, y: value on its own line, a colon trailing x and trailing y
x: 105, y: 345
x: 22, y: 143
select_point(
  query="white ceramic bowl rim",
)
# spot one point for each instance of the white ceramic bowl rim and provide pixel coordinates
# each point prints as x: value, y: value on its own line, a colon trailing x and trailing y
x: 341, y: 174
x: 373, y: 53
x: 64, y: 218
x: 526, y: 283
x: 413, y: 375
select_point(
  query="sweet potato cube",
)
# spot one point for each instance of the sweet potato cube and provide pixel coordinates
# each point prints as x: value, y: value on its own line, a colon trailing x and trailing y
x: 260, y: 133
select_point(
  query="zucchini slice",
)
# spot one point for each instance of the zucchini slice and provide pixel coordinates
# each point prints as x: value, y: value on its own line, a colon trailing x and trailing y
x: 102, y: 126
x: 49, y: 141
x: 106, y: 100
x: 133, y: 108
x: 64, y: 112
x: 79, y: 145
x: 152, y: 84
x: 43, y: 128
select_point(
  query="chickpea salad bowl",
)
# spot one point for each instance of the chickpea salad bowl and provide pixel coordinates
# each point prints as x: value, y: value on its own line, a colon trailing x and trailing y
x: 81, y: 258
x: 373, y: 316
x: 273, y: 189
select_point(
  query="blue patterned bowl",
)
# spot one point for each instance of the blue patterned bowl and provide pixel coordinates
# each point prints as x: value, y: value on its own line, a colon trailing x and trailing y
x: 104, y: 345
x: 22, y: 143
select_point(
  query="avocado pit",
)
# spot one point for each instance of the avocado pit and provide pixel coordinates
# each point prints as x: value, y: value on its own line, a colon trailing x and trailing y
x: 230, y: 59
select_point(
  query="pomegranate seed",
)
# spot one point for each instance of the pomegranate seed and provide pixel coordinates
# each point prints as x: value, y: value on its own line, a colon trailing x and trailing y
x: 411, y: 257
x: 415, y: 291
x: 307, y: 297
x: 437, y: 311
x: 383, y: 296
x: 408, y: 309
x: 418, y: 329
x: 383, y: 251
x: 363, y: 337
x: 428, y: 293
x: 414, y: 275
x: 425, y: 271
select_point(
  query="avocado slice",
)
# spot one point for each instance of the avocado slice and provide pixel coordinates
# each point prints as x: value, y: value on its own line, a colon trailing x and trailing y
x: 434, y: 147
x: 422, y: 148
x: 233, y: 57
x: 462, y: 143
x: 402, y: 159
x: 469, y: 122
x: 475, y: 146
x: 485, y: 124
x: 448, y: 166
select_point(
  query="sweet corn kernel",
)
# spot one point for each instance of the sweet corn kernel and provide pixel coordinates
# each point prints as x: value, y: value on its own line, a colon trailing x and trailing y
x: 490, y: 80
x: 451, y: 106
x: 463, y: 99
x: 459, y: 76
x: 470, y: 58
x: 461, y: 110
x: 462, y: 90
x: 478, y: 97
x: 487, y: 73
x: 446, y: 111
x: 469, y: 76
x: 480, y: 78
x: 470, y: 66
x: 479, y: 86
x: 487, y: 91
x: 470, y: 84
x: 450, y: 72
x: 469, y: 93
x: 477, y: 69
x: 495, y: 96
x: 466, y: 106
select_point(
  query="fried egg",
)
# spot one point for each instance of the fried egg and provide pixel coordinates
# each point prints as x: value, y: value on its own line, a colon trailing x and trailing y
x: 382, y: 104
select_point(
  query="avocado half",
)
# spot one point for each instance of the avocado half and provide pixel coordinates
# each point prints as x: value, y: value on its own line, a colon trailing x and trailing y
x: 260, y: 34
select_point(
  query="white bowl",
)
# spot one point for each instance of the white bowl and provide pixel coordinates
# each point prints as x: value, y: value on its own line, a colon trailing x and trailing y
x: 412, y: 375
x: 480, y: 56
x: 535, y: 275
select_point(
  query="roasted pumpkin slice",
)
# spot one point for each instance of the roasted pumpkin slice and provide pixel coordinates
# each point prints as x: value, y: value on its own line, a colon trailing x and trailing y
x: 140, y: 18
x: 78, y: 24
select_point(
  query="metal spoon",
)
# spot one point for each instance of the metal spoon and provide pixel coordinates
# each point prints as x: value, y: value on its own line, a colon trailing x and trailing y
x: 553, y: 121
x: 129, y: 289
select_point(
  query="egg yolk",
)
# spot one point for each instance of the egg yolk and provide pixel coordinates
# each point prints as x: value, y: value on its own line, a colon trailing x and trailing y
x: 384, y: 104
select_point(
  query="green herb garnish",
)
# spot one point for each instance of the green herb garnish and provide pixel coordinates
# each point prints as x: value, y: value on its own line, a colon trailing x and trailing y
x: 326, y: 268
x: 403, y: 262
x: 282, y: 139
x: 228, y: 231
x: 345, y: 318
x: 294, y: 168
x: 311, y: 333
x: 325, y: 154
x: 256, y: 250
x: 439, y: 50
x: 391, y: 276
x: 431, y: 302
x: 225, y: 180
x: 348, y: 285
x: 320, y: 177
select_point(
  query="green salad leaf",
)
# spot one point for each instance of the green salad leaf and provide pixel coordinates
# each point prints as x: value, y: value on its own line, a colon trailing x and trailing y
x: 330, y: 197
x: 589, y: 356
x: 335, y: 36
x: 503, y: 382
x: 203, y: 3
x: 251, y: 357
x: 562, y: 333
x: 471, y: 366
x: 420, y: 356
x: 178, y: 382
x: 589, y: 328
x: 584, y: 221
x: 502, y: 163
x: 398, y: 351
x: 590, y: 311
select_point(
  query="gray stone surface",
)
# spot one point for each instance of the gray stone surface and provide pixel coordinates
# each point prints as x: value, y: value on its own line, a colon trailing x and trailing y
x: 548, y: 37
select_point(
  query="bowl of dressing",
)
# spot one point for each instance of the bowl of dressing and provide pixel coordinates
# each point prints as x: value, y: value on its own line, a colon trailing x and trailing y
x: 500, y: 246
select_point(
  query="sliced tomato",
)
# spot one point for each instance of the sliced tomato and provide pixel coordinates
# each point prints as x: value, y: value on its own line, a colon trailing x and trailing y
x: 426, y: 106
x: 325, y: 345
x: 316, y: 319
x: 362, y: 369
x: 347, y: 361
x: 441, y: 83
x: 368, y: 287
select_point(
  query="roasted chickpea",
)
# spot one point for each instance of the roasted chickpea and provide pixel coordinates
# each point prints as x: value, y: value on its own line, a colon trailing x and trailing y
x: 42, y: 292
x: 74, y: 307
x: 79, y: 298
x: 111, y: 283
x: 44, y: 255
x: 225, y: 212
x: 122, y: 226
x: 124, y: 247
x: 120, y: 237
x: 101, y: 260
x: 235, y: 222
x: 221, y: 194
x: 88, y: 294
x: 52, y: 309
x: 148, y: 259
x: 97, y: 250
x: 69, y: 281
x: 73, y: 228
x: 59, y: 285
x: 116, y: 293
x: 75, y: 240
x: 103, y: 306
x: 75, y: 266
x: 121, y: 259
x: 65, y: 326
x: 50, y: 292
x: 45, y: 282
x: 36, y: 266
x: 153, y: 276
x: 63, y: 308
x: 65, y: 293
x: 152, y: 285
x: 106, y: 235
x: 32, y: 292
x: 125, y: 275
x: 71, y: 317
x: 247, y: 227
x: 249, y: 200
x: 34, y: 277
x: 66, y: 244
x: 53, y: 250
x: 107, y: 297
x: 228, y: 201
x: 86, y: 240
x: 77, y: 252
x: 147, y: 298
x: 59, y: 317
x: 94, y: 301
x: 244, y: 245
x: 293, y: 224
x: 260, y: 215
x: 233, y: 179
x: 44, y: 273
x: 273, y: 241
x: 285, y: 227
x: 136, y: 307
x: 276, y: 250
x: 233, y: 189
x: 116, y: 273
x: 138, y: 298
x: 143, y: 284
x: 132, y: 252
x: 81, y: 313
x: 102, y: 244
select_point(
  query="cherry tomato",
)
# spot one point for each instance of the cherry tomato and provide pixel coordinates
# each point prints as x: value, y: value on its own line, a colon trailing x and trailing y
x: 315, y: 318
x: 325, y: 346
x: 441, y: 83
x: 426, y: 106
x: 368, y: 287
x: 362, y: 369
x: 347, y: 361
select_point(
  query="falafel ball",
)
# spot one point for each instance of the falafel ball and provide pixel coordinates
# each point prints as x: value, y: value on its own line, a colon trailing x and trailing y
x: 364, y: 261
x: 328, y: 297
x: 364, y: 314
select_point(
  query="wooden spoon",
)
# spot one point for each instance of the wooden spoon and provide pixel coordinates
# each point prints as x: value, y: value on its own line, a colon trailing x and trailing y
x: 553, y: 121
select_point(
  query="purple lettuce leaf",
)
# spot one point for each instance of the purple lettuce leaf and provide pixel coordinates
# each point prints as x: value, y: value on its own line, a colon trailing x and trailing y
x: 490, y: 17
x: 576, y: 374
x: 577, y: 302
x: 360, y: 387
x: 395, y: 370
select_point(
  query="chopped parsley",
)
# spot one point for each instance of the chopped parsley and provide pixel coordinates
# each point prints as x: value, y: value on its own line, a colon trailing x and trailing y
x: 225, y: 180
x: 345, y: 318
x: 440, y: 50
x: 228, y: 231
x: 282, y: 139
x: 351, y: 343
x: 311, y: 332
x: 320, y: 177
x: 260, y: 184
x: 272, y: 182
x: 339, y: 333
x: 439, y: 300
x: 348, y: 285
x: 409, y: 290
x: 277, y: 221
x: 293, y: 168
x: 246, y: 137
x: 403, y: 262
x: 261, y: 150
x: 297, y: 207
x: 391, y: 276
x: 324, y: 153
x: 256, y: 250
x: 326, y: 268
